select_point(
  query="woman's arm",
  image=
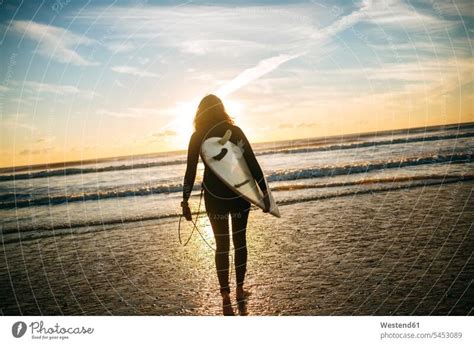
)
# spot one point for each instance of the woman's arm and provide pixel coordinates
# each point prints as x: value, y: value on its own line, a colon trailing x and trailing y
x: 190, y: 175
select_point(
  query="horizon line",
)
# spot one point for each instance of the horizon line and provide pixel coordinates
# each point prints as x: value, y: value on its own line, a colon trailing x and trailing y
x: 18, y: 168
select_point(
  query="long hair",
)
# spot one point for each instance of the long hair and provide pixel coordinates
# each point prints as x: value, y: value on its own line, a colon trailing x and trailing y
x: 210, y: 112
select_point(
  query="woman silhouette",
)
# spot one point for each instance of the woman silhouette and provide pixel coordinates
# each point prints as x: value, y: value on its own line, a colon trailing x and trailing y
x: 211, y: 120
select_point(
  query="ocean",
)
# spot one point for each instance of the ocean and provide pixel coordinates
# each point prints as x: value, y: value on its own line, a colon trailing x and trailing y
x: 83, y: 197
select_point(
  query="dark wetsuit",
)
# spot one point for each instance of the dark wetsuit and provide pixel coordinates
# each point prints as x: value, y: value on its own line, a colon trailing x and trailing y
x: 221, y: 202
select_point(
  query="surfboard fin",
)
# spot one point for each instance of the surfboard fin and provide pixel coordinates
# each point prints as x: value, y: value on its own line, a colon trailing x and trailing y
x: 226, y: 137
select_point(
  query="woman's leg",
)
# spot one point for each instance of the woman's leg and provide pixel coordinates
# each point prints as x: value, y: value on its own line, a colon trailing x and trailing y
x: 239, y: 239
x: 220, y: 227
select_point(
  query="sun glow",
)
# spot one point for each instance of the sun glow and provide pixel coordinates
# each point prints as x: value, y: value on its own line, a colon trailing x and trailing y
x: 234, y: 108
x: 183, y: 122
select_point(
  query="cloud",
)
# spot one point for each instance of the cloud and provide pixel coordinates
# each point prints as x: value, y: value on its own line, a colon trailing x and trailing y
x: 250, y: 74
x: 44, y: 140
x: 32, y: 152
x: 3, y: 88
x: 458, y: 8
x: 421, y: 49
x: 119, y: 114
x: 54, y: 42
x: 296, y: 125
x: 40, y: 146
x: 401, y: 15
x: 16, y: 121
x: 425, y: 74
x: 285, y: 126
x: 142, y: 60
x: 119, y: 83
x: 164, y: 133
x: 344, y: 22
x: 268, y: 65
x: 56, y: 89
x: 120, y: 47
x: 226, y: 47
x: 133, y: 71
x: 132, y: 112
x: 223, y: 31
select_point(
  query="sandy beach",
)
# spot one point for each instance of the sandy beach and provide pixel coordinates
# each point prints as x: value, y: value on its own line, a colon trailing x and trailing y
x: 402, y: 252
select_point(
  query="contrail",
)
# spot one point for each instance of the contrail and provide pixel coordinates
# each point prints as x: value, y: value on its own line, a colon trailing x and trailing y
x: 253, y: 73
x: 344, y: 22
x: 270, y: 64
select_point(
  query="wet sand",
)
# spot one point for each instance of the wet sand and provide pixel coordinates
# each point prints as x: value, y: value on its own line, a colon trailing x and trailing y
x: 403, y: 252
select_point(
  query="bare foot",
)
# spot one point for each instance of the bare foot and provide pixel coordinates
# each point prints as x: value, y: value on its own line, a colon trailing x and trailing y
x: 227, y: 305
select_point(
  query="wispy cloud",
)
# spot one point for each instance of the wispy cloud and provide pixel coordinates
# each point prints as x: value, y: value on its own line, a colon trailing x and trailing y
x: 398, y: 14
x: 54, y: 42
x: 344, y: 22
x: 119, y: 83
x: 133, y: 71
x: 296, y: 125
x: 223, y: 31
x: 119, y: 114
x: 33, y: 152
x: 40, y: 146
x: 222, y: 47
x: 132, y: 112
x: 14, y: 122
x: 56, y: 89
x: 121, y: 47
x: 164, y: 133
x: 426, y: 74
x: 268, y: 65
x: 456, y: 8
x: 45, y: 140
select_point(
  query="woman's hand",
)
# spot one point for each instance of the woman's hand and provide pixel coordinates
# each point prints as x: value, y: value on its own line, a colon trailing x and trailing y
x: 266, y: 202
x: 186, y: 211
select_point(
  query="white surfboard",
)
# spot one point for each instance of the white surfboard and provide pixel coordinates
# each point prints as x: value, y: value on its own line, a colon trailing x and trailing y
x: 226, y: 160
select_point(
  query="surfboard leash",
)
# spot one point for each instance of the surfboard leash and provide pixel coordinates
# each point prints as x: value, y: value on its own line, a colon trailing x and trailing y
x: 195, y: 227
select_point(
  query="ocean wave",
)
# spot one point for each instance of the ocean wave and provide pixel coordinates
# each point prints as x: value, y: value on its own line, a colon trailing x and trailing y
x: 26, y: 233
x: 285, y: 150
x: 393, y: 180
x: 362, y: 168
x: 11, y: 200
x: 364, y: 144
x: 89, y: 170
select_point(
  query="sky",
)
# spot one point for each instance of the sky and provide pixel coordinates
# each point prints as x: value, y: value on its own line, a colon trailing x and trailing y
x: 92, y: 79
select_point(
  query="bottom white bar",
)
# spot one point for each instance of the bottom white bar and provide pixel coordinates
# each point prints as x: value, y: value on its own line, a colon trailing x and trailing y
x: 240, y: 330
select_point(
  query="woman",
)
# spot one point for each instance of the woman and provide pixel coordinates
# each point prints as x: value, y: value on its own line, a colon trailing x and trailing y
x: 211, y: 120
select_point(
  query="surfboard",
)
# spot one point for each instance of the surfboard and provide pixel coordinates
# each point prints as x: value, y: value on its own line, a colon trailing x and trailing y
x: 227, y: 161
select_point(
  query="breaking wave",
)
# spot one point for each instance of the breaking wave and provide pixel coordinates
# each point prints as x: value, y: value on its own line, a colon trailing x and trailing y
x: 12, y: 200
